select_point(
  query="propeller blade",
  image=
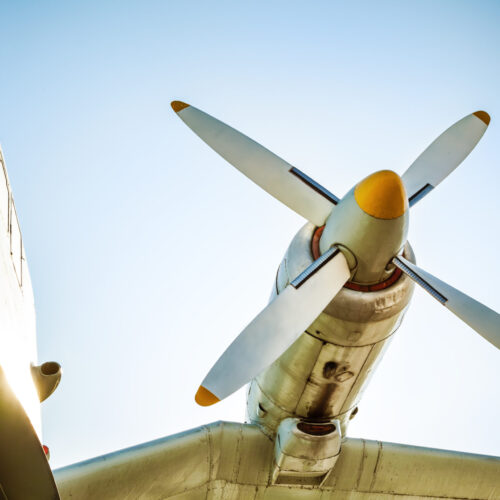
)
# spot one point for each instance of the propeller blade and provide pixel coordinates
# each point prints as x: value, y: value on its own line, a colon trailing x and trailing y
x: 444, y: 155
x: 276, y: 327
x: 280, y: 179
x: 484, y: 320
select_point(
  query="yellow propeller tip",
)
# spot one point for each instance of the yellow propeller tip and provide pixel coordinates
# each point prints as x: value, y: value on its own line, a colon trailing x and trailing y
x: 483, y: 116
x: 382, y: 195
x: 178, y: 106
x: 205, y: 398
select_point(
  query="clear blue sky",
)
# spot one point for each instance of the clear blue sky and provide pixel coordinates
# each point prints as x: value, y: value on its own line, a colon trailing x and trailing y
x: 149, y: 254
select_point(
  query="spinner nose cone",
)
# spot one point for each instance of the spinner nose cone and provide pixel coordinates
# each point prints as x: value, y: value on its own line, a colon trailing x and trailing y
x: 382, y: 195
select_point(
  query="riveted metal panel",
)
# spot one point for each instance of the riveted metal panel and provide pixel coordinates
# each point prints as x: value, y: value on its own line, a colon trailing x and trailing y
x: 364, y: 375
x: 177, y: 468
x: 285, y: 380
x: 331, y: 380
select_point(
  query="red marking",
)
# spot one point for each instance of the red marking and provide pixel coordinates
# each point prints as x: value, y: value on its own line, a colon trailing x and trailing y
x: 350, y: 285
x: 315, y: 242
x: 378, y: 286
x: 46, y: 450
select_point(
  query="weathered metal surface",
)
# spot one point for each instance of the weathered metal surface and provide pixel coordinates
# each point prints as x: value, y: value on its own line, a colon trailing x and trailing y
x: 323, y: 374
x: 305, y: 453
x: 227, y: 461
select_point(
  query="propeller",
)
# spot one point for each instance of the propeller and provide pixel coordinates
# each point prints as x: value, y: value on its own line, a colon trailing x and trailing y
x: 280, y: 179
x: 444, y: 155
x: 276, y: 327
x: 482, y: 319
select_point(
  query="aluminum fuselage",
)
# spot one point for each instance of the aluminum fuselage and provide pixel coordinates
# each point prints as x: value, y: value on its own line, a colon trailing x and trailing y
x: 17, y: 313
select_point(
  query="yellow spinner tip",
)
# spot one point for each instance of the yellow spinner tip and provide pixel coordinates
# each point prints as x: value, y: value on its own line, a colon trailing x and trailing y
x: 205, y: 398
x: 483, y: 116
x: 178, y: 106
x: 382, y: 195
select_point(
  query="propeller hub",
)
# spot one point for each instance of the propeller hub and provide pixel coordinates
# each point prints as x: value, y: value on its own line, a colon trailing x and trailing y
x: 371, y: 220
x: 382, y: 195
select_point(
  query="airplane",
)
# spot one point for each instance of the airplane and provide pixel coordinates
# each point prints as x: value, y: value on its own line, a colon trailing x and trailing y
x: 338, y: 297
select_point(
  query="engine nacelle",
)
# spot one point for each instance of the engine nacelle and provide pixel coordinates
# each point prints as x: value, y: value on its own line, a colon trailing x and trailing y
x: 323, y: 373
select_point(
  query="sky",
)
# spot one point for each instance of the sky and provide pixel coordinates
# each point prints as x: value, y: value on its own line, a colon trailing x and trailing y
x: 149, y: 254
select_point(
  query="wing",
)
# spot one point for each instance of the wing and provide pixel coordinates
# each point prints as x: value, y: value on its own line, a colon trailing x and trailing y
x: 182, y: 466
x: 227, y: 460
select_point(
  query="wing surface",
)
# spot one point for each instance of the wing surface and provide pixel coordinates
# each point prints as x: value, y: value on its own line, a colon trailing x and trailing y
x: 227, y: 460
